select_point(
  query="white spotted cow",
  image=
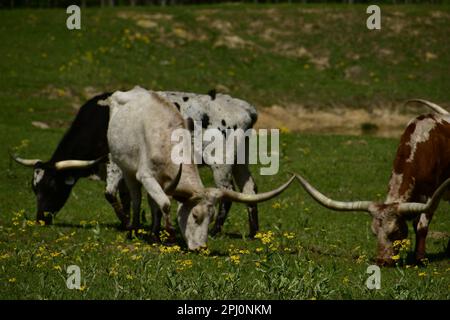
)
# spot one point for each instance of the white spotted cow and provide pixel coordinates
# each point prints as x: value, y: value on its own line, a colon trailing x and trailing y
x: 139, y: 138
x: 212, y: 111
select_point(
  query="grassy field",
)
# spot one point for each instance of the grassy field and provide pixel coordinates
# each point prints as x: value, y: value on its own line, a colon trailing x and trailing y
x: 284, y: 54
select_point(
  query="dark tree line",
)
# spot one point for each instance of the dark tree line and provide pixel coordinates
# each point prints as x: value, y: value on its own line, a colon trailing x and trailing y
x: 104, y: 3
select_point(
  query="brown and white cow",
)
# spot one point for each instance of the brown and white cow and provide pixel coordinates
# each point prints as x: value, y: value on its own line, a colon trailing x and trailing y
x: 420, y: 177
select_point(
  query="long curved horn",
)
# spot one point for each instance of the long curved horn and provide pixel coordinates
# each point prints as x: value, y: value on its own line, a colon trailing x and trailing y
x: 414, y: 207
x: 254, y: 198
x: 25, y: 162
x: 330, y: 203
x: 173, y: 184
x: 436, y: 108
x: 76, y: 164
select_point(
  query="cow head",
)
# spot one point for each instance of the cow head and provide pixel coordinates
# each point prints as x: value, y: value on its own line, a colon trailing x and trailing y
x: 195, y: 214
x: 52, y: 183
x: 388, y: 219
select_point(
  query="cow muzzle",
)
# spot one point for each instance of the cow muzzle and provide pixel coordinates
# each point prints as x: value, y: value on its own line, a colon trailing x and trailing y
x: 45, y: 216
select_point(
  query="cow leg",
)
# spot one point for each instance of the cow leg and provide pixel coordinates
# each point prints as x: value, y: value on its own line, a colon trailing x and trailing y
x: 246, y: 184
x: 134, y: 187
x: 155, y: 191
x: 156, y: 218
x: 223, y: 179
x: 156, y: 221
x: 125, y: 199
x: 114, y: 180
x: 421, y: 228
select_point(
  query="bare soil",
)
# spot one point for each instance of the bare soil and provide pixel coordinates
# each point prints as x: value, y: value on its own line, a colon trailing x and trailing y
x: 379, y: 121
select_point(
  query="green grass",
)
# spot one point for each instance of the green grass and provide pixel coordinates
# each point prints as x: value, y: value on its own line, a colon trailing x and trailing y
x: 327, y: 258
x: 45, y: 69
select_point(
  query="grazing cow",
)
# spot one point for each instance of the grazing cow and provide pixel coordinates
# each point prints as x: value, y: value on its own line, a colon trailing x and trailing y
x: 139, y: 137
x: 420, y: 177
x: 54, y: 179
x: 222, y: 112
x: 87, y: 139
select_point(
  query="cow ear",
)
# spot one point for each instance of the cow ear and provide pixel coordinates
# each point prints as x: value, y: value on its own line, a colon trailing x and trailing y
x: 69, y: 180
x: 212, y: 93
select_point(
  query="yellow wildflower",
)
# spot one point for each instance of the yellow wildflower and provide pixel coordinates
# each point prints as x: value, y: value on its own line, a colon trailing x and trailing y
x: 289, y: 235
x: 236, y: 259
x: 396, y: 257
x: 82, y: 288
x: 265, y: 237
x: 276, y: 205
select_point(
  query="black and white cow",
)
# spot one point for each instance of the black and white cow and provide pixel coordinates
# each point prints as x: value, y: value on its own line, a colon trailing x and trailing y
x: 54, y: 179
x: 222, y: 112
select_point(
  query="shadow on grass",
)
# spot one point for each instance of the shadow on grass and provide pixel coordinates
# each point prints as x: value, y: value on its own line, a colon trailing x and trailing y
x: 87, y: 226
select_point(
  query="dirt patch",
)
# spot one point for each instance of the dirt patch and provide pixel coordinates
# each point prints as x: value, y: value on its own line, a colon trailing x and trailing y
x: 144, y: 20
x: 232, y: 42
x: 380, y: 121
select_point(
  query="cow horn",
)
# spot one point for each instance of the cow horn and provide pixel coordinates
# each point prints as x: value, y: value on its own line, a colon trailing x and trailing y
x: 414, y: 207
x: 254, y: 198
x: 333, y: 204
x: 174, y: 183
x: 436, y: 108
x: 76, y: 164
x: 24, y: 162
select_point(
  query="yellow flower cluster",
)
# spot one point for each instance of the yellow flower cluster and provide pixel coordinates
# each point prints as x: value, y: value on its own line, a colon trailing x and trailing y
x: 136, y: 257
x: 142, y: 231
x: 265, y: 237
x: 402, y: 245
x: 169, y: 249
x: 276, y: 205
x: 65, y: 237
x: 361, y: 259
x: 184, y: 264
x: 5, y: 256
x: 17, y: 216
x: 289, y: 235
x: 236, y: 259
x: 232, y: 250
x: 205, y: 252
x: 164, y: 235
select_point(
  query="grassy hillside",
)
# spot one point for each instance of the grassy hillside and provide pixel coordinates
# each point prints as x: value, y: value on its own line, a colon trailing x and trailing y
x: 311, y: 55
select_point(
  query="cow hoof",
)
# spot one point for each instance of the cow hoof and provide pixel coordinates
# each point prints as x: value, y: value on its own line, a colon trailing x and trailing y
x: 252, y: 235
x: 152, y: 238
